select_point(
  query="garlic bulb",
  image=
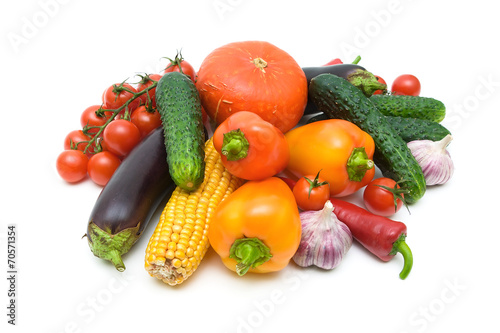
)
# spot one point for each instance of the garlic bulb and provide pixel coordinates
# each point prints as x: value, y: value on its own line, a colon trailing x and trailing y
x: 434, y: 159
x: 325, y: 239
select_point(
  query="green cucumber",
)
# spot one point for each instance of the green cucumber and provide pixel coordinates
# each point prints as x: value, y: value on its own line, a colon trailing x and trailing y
x: 409, y: 129
x: 338, y: 98
x: 410, y: 106
x: 178, y: 103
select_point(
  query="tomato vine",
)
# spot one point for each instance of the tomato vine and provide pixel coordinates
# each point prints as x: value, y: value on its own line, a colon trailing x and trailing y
x: 115, y: 112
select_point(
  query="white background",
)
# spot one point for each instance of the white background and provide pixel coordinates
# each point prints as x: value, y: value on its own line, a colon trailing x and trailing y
x: 68, y: 52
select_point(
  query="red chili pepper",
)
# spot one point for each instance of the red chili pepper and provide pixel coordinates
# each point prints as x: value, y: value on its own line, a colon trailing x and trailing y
x: 334, y: 62
x: 378, y: 234
x: 337, y: 61
x: 290, y: 182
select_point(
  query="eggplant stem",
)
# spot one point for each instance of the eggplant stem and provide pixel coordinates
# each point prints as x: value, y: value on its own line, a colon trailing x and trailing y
x: 356, y: 61
x: 116, y: 258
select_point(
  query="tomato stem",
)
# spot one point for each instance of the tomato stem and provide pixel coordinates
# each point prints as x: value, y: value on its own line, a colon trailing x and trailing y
x: 176, y: 62
x: 235, y: 145
x: 314, y: 183
x: 249, y: 253
x: 397, y: 193
x: 358, y: 164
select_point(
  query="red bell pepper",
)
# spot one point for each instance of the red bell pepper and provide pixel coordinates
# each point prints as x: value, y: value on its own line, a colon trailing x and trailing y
x: 378, y: 234
x: 251, y: 147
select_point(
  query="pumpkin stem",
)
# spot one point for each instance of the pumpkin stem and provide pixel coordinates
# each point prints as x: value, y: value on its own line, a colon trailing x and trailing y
x: 260, y: 64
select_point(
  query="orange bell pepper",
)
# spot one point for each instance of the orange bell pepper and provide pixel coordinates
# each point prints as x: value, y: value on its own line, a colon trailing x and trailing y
x: 257, y: 228
x: 339, y: 148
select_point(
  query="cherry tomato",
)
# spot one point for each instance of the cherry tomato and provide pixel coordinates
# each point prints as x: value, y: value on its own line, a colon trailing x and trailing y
x: 117, y: 95
x: 121, y: 136
x: 384, y: 201
x: 102, y: 166
x: 91, y: 117
x: 185, y: 66
x: 381, y: 80
x: 71, y: 165
x: 145, y: 82
x: 311, y: 192
x: 406, y: 84
x: 76, y: 140
x: 145, y: 120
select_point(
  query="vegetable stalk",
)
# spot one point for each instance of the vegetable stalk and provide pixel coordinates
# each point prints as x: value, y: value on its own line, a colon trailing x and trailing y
x: 235, y: 145
x: 249, y: 253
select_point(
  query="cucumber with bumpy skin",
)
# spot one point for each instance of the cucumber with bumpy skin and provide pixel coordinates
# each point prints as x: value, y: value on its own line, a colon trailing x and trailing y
x: 409, y: 129
x: 338, y: 98
x: 178, y: 103
x: 419, y: 107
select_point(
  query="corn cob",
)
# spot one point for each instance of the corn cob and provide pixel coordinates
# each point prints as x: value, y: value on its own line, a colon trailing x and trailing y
x: 180, y: 240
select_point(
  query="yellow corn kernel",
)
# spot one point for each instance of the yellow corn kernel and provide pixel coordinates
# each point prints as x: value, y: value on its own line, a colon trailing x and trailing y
x: 180, y: 240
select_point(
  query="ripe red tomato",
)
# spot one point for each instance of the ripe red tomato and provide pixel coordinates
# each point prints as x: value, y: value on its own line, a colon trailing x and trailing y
x: 71, y: 165
x: 76, y: 139
x: 381, y: 80
x: 117, y: 95
x: 102, y: 166
x: 383, y: 201
x: 92, y: 117
x: 406, y: 84
x: 145, y: 82
x: 121, y: 136
x: 180, y: 65
x: 79, y: 140
x: 311, y: 192
x: 253, y: 76
x: 145, y: 120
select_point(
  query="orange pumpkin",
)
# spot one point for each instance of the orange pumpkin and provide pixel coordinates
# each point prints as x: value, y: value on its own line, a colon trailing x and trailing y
x: 253, y: 76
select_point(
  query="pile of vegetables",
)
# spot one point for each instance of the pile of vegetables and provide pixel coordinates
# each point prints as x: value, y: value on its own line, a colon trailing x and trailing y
x: 269, y: 186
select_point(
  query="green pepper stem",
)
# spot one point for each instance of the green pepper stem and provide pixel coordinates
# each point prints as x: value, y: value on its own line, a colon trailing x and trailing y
x: 235, y: 145
x: 403, y: 248
x: 249, y: 253
x: 358, y: 164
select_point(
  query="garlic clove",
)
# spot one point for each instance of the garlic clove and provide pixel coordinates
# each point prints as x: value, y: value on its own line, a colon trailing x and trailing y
x: 325, y: 239
x: 434, y: 159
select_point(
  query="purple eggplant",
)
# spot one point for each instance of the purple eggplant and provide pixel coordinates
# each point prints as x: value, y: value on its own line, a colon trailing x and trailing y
x: 128, y: 201
x: 353, y: 73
